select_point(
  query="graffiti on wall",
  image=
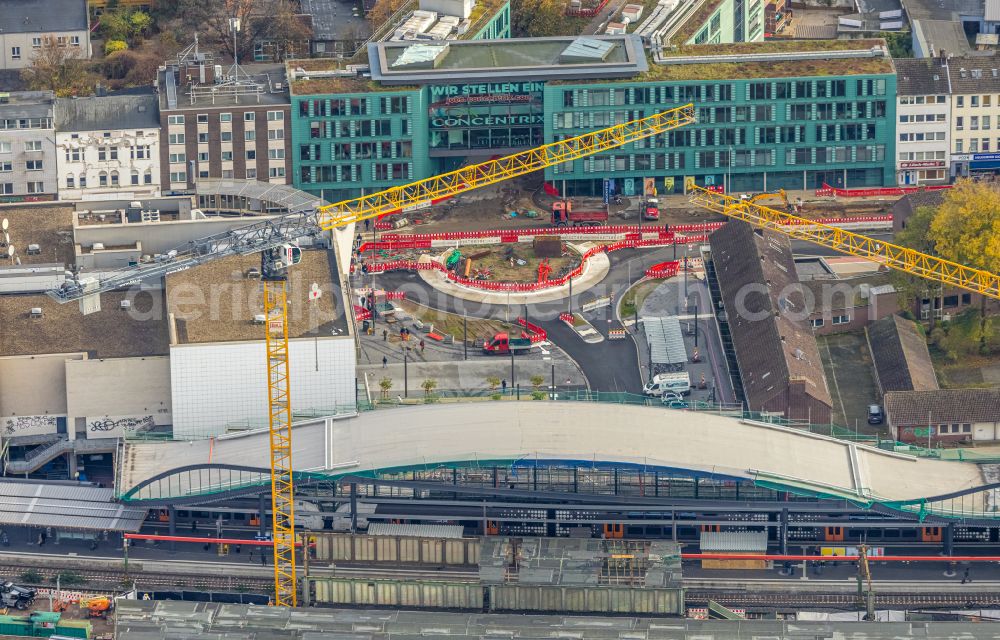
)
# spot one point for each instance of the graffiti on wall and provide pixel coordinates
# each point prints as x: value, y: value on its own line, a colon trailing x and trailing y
x: 131, y: 424
x: 18, y: 425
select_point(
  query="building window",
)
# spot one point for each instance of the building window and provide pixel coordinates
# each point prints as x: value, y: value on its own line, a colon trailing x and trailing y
x: 36, y: 43
x: 6, y: 188
x: 275, y: 134
x: 178, y: 176
x: 33, y: 165
x: 227, y: 174
x: 275, y: 115
x: 817, y: 323
x: 176, y: 138
x: 36, y: 187
x: 225, y: 136
x: 276, y: 154
x: 249, y: 116
x: 276, y: 172
x: 177, y: 158
x: 135, y: 177
x: 114, y: 153
x: 15, y: 53
x: 227, y: 156
x: 102, y: 179
x: 250, y: 135
x: 6, y: 166
x: 71, y: 182
x: 175, y: 119
x: 842, y: 319
x: 102, y: 153
x: 202, y: 118
x: 251, y: 174
x: 203, y: 137
x: 114, y: 178
x: 33, y: 145
x: 74, y: 41
x: 5, y: 147
x: 203, y: 156
x: 203, y: 173
x: 83, y: 180
x: 147, y: 178
x: 251, y: 154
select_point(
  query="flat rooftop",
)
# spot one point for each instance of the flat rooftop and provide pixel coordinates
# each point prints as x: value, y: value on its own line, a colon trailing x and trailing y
x: 269, y: 78
x: 484, y: 60
x: 784, y: 60
x: 111, y: 332
x: 216, y: 302
x: 50, y: 227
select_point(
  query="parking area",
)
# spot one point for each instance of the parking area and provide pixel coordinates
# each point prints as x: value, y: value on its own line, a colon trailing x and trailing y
x: 848, y: 366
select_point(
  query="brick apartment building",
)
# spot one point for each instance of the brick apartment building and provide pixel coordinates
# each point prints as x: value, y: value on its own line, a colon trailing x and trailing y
x: 221, y: 122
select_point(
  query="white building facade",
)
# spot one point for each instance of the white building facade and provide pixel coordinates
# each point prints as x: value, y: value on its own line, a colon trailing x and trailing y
x: 975, y: 117
x: 923, y: 122
x: 108, y: 146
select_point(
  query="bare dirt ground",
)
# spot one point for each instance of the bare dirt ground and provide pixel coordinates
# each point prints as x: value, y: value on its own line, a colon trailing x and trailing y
x: 491, y: 207
x: 501, y: 262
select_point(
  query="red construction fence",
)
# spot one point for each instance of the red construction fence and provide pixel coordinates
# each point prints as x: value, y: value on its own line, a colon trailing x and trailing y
x: 827, y: 190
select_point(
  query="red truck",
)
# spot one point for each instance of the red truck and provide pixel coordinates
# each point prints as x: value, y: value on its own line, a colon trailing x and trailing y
x: 503, y: 344
x: 651, y: 211
x: 563, y: 215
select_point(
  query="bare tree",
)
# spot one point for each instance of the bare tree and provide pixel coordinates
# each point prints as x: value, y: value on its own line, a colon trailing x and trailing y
x: 277, y: 21
x: 57, y: 68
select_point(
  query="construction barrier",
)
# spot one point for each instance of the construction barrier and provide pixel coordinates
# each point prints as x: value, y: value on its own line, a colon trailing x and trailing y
x: 664, y: 269
x: 535, y: 333
x: 827, y: 190
x: 589, y: 12
x: 360, y: 313
x: 567, y: 318
x: 617, y: 334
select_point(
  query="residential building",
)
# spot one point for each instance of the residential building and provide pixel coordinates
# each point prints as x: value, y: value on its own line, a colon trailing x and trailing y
x: 900, y: 356
x: 431, y: 108
x: 26, y: 24
x: 943, y: 415
x: 217, y: 123
x: 765, y: 313
x: 923, y: 125
x: 108, y: 145
x: 27, y: 146
x: 975, y: 116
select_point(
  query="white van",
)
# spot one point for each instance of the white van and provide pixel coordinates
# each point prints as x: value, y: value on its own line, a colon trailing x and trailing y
x: 678, y: 382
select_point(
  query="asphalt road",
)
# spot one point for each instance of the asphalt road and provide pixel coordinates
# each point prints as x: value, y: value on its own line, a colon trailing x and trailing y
x: 612, y: 365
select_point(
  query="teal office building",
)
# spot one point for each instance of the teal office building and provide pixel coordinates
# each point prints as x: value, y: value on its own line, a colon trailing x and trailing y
x: 769, y: 115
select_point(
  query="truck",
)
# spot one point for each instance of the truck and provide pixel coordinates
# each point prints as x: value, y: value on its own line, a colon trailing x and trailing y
x: 563, y: 215
x: 677, y: 382
x: 651, y: 210
x: 12, y: 595
x: 503, y: 344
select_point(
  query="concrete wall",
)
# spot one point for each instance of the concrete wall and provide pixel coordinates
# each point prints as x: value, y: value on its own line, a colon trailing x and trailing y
x: 20, y: 177
x: 111, y: 398
x: 156, y: 237
x: 24, y: 41
x: 33, y: 393
x: 224, y: 384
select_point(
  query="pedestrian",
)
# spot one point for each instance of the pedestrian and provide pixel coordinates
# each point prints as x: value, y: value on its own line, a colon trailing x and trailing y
x: 368, y: 224
x: 194, y: 525
x: 385, y: 362
x: 965, y: 577
x: 385, y: 335
x: 251, y: 554
x: 503, y: 384
x: 263, y: 559
x: 422, y: 345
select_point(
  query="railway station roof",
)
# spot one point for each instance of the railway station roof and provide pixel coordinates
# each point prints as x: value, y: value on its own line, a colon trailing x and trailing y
x: 65, y: 506
x: 560, y: 433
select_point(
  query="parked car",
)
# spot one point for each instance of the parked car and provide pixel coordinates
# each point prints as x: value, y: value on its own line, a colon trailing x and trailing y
x: 671, y: 396
x: 875, y: 415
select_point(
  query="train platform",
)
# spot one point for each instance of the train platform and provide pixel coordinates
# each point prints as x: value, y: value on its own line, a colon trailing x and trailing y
x: 552, y: 433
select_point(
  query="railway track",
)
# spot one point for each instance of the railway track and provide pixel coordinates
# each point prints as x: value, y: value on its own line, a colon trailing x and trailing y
x: 97, y: 573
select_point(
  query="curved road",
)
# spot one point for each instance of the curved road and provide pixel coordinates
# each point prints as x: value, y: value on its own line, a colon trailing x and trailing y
x: 612, y: 365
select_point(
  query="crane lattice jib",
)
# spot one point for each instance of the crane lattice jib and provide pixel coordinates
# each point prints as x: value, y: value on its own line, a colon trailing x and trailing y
x: 492, y: 171
x: 891, y: 255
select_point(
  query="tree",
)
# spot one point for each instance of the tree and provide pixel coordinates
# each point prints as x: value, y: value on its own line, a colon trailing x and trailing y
x: 966, y: 230
x: 899, y: 42
x: 56, y: 68
x: 385, y: 384
x: 428, y: 385
x: 114, y: 46
x: 273, y: 20
x: 537, y: 18
x: 124, y: 23
x: 537, y: 381
x: 915, y: 235
x: 493, y: 382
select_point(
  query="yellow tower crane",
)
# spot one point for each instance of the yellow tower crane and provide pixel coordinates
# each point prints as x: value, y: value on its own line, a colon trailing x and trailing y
x: 891, y: 255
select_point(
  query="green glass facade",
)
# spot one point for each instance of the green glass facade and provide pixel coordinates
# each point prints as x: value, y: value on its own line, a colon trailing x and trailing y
x: 757, y: 135
x: 732, y: 21
x: 751, y: 135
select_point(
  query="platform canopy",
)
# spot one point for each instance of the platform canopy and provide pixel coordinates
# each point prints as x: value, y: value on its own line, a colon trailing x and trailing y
x: 65, y: 506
